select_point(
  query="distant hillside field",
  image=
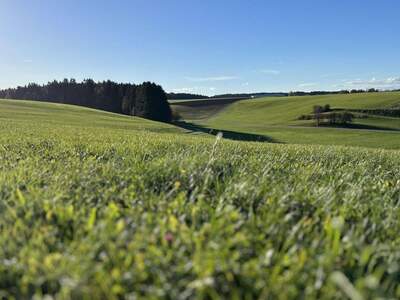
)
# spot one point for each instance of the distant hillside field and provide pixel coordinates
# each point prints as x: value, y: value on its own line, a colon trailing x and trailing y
x: 95, y: 205
x: 277, y: 119
x: 201, y: 109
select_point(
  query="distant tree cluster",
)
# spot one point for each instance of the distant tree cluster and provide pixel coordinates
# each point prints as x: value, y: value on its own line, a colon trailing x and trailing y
x: 325, y: 115
x: 147, y: 100
x: 314, y: 93
x: 387, y: 112
x: 341, y: 118
x: 319, y: 110
x: 372, y: 90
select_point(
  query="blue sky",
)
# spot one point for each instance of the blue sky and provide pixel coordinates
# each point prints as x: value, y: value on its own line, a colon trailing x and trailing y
x: 204, y: 46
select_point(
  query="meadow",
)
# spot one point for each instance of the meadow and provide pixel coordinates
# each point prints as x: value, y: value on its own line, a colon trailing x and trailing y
x: 97, y: 205
x: 276, y: 118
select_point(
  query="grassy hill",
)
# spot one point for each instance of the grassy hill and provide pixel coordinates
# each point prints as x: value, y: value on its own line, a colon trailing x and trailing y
x: 96, y: 205
x: 277, y: 119
x: 49, y: 115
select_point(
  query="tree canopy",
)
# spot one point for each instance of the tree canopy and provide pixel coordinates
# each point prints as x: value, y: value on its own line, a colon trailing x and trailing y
x: 147, y: 100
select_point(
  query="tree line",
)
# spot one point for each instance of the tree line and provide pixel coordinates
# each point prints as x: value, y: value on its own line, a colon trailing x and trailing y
x: 189, y: 96
x: 185, y: 96
x: 147, y: 100
x: 315, y: 93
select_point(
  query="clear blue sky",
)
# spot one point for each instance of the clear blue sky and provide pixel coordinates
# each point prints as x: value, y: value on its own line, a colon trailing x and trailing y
x: 204, y: 46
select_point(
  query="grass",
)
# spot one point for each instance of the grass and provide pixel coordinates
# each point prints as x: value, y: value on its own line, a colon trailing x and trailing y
x: 198, y: 110
x: 276, y: 118
x: 54, y: 116
x: 286, y: 110
x: 96, y: 205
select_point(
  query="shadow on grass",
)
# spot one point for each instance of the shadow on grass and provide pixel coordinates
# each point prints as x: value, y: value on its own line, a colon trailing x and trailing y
x: 227, y: 134
x: 359, y: 126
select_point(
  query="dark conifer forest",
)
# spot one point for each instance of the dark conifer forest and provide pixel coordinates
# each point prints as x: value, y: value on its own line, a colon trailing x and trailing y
x: 147, y: 100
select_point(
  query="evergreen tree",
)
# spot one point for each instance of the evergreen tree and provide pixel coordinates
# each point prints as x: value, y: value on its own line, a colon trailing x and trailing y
x: 151, y: 103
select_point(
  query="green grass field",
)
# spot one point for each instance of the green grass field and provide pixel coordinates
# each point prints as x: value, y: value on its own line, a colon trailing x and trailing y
x: 276, y: 118
x: 51, y: 115
x: 96, y: 205
x: 199, y: 110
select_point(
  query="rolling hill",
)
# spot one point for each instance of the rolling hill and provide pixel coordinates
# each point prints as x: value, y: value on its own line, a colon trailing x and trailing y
x: 95, y: 205
x: 44, y: 114
x: 277, y: 119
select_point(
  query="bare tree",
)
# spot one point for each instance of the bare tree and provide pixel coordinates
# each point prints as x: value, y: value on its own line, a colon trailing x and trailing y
x: 317, y: 114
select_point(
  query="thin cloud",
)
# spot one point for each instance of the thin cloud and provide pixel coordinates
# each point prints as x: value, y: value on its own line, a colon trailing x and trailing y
x: 331, y: 75
x: 390, y: 82
x: 270, y: 72
x: 374, y: 81
x: 307, y: 84
x: 194, y: 89
x: 212, y: 78
x: 184, y: 90
x: 28, y: 61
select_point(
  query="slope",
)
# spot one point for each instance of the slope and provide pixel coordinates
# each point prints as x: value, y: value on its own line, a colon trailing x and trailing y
x: 277, y: 118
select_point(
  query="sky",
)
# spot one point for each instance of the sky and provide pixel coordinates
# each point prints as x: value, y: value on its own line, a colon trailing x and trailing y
x: 204, y: 46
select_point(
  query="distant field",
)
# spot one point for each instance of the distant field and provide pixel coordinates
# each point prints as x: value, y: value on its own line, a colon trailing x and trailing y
x: 188, y: 101
x: 95, y: 205
x: 285, y: 110
x: 276, y: 118
x: 201, y: 109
